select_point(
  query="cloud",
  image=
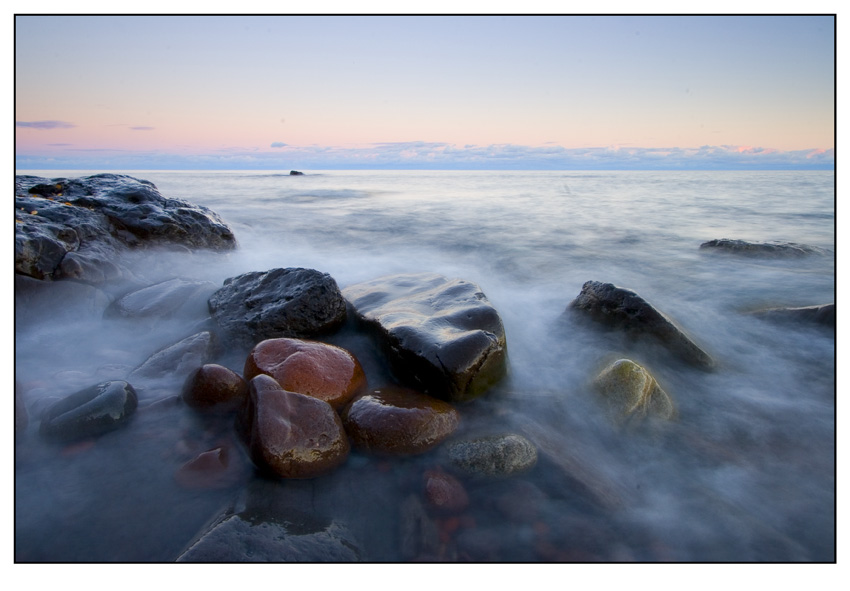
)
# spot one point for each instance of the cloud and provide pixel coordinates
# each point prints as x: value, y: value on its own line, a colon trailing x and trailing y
x: 142, y: 128
x: 278, y: 145
x: 44, y: 124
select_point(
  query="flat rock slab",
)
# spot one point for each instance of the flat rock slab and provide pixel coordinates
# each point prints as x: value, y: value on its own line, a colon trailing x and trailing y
x: 442, y: 336
x: 293, y: 302
x: 762, y: 249
x: 624, y: 309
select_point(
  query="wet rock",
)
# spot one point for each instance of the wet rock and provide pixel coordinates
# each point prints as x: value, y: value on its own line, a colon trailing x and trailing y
x: 73, y: 228
x: 289, y: 434
x: 316, y: 369
x: 821, y: 315
x: 444, y: 493
x: 397, y: 421
x: 495, y: 455
x: 178, y: 360
x: 441, y: 335
x: 247, y: 537
x: 292, y: 302
x: 630, y: 391
x: 214, y: 387
x: 161, y: 300
x: 624, y: 309
x: 762, y: 249
x: 89, y: 412
x: 215, y: 468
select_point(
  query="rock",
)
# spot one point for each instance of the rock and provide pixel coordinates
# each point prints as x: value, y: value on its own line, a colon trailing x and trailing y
x: 441, y: 335
x: 178, y: 360
x: 316, y: 369
x: 213, y: 387
x: 419, y: 536
x: 762, y: 249
x: 246, y: 537
x: 37, y: 300
x: 495, y: 455
x: 823, y: 315
x: 295, y: 173
x: 629, y: 390
x: 161, y: 300
x: 74, y: 228
x: 214, y: 468
x: 289, y: 434
x: 300, y: 303
x: 624, y: 309
x: 397, y: 421
x: 89, y: 412
x: 444, y: 493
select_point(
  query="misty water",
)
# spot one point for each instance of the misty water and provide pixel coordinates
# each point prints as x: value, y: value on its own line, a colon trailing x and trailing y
x: 745, y: 473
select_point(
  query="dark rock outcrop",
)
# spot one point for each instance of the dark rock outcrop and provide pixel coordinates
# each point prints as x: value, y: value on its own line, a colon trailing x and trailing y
x: 624, y: 309
x: 316, y: 369
x: 291, y: 435
x: 397, y: 421
x: 441, y: 335
x: 821, y: 315
x: 295, y: 173
x: 73, y: 228
x: 294, y: 302
x: 89, y: 412
x: 213, y: 387
x: 493, y: 455
x: 762, y: 249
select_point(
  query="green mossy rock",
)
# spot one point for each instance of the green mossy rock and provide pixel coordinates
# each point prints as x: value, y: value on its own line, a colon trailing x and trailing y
x: 630, y: 391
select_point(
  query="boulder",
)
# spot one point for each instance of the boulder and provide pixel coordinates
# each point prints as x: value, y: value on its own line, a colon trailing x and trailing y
x: 823, y: 315
x: 294, y: 302
x: 625, y: 310
x: 213, y: 387
x: 291, y: 435
x: 397, y: 421
x: 316, y: 369
x: 74, y: 228
x: 494, y: 455
x: 442, y: 336
x: 177, y: 361
x: 161, y: 300
x: 762, y: 249
x: 89, y: 412
x: 630, y: 391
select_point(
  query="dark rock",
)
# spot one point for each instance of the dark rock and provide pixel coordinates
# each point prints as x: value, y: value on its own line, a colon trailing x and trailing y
x: 441, y: 335
x: 762, y: 249
x: 396, y: 421
x: 89, y: 412
x: 495, y: 455
x: 823, y: 315
x: 444, y: 493
x: 161, y: 300
x: 213, y: 387
x: 289, y: 434
x: 178, y: 360
x: 295, y: 173
x: 246, y: 537
x: 73, y: 228
x: 316, y: 369
x: 299, y: 303
x: 624, y: 309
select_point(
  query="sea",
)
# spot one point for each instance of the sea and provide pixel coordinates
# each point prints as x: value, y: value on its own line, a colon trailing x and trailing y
x: 745, y: 473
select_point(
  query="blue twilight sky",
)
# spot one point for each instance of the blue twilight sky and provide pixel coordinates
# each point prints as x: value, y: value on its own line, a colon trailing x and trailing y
x: 437, y: 92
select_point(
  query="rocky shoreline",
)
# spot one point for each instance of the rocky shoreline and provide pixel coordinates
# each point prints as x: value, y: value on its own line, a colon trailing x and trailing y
x: 301, y: 407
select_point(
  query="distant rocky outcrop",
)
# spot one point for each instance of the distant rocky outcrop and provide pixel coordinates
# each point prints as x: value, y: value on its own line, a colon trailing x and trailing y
x: 820, y: 315
x: 442, y: 336
x: 73, y: 228
x: 295, y: 173
x: 762, y: 249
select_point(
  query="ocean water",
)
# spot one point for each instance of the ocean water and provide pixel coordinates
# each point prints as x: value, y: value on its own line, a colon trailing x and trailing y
x: 745, y: 473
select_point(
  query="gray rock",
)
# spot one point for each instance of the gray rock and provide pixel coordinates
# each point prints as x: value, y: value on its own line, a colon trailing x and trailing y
x: 823, y: 315
x: 441, y: 335
x: 494, y: 455
x: 290, y: 302
x: 624, y: 309
x: 89, y: 412
x: 177, y: 361
x: 762, y: 249
x: 161, y: 300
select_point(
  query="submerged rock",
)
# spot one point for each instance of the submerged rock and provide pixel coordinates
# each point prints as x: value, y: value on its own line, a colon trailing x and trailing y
x: 495, y: 455
x: 74, y: 228
x: 316, y: 369
x: 89, y: 412
x: 177, y: 361
x: 215, y: 468
x: 762, y: 249
x: 291, y: 435
x: 441, y: 335
x: 444, y: 493
x: 629, y: 390
x: 624, y: 309
x: 213, y: 387
x: 294, y: 302
x: 161, y: 300
x: 823, y: 315
x: 397, y: 421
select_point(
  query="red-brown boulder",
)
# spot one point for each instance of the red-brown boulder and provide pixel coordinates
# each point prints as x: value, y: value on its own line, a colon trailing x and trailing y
x: 291, y: 434
x: 444, y: 492
x: 214, y: 387
x: 316, y: 369
x: 398, y: 421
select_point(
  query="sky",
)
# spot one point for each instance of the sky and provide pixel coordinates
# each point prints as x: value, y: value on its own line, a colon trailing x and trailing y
x: 424, y: 92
